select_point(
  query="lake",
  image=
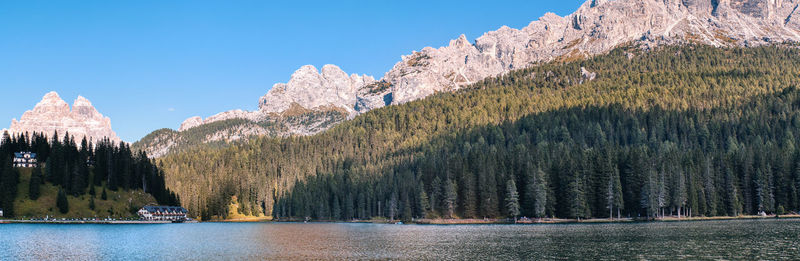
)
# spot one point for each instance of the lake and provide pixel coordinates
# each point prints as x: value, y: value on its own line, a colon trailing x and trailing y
x: 736, y: 239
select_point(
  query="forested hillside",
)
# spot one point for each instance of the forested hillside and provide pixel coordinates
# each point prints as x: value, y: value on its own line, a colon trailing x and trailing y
x: 219, y: 134
x: 693, y: 129
x: 91, y: 176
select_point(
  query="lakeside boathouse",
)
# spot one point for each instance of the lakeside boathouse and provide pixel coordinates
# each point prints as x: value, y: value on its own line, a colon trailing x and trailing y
x: 163, y: 213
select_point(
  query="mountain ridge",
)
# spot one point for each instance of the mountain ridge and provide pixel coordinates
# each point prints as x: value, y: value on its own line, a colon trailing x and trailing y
x: 596, y: 27
x: 53, y: 114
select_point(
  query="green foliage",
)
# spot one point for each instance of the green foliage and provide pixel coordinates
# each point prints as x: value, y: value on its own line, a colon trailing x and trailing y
x: 512, y: 199
x: 70, y: 168
x: 694, y: 130
x: 198, y: 137
x: 34, y: 184
x: 61, y: 202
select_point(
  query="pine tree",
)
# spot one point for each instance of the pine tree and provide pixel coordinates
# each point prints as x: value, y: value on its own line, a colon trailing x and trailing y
x: 512, y: 199
x: 424, y: 201
x: 450, y: 198
x: 539, y: 194
x: 649, y: 197
x: 619, y: 202
x: 710, y: 191
x: 337, y: 208
x: 104, y: 196
x: 734, y: 206
x: 468, y: 195
x: 91, y: 203
x: 35, y: 182
x: 9, y: 178
x: 393, y: 206
x: 436, y: 196
x: 61, y: 202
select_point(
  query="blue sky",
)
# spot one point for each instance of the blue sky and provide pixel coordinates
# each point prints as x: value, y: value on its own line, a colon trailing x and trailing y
x: 151, y: 64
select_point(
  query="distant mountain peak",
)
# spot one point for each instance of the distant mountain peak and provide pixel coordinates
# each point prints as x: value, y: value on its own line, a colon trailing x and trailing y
x: 53, y: 114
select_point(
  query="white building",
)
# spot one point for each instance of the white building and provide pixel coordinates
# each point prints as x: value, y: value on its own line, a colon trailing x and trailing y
x: 25, y: 159
x: 162, y: 213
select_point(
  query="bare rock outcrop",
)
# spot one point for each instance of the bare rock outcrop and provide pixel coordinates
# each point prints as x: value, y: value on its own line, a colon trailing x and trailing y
x: 312, y: 89
x: 52, y: 114
x: 598, y: 26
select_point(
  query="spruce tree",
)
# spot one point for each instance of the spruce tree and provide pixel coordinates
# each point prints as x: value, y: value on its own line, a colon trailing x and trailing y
x: 512, y: 199
x: 424, y: 201
x: 451, y: 198
x: 539, y: 194
x: 61, y: 202
x: 35, y: 182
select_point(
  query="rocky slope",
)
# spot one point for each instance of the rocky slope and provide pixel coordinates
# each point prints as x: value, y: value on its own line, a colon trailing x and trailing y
x: 596, y: 27
x: 52, y: 114
x: 236, y: 125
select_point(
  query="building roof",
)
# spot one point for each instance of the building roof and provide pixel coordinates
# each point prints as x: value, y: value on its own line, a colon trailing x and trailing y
x: 165, y: 209
x: 22, y: 154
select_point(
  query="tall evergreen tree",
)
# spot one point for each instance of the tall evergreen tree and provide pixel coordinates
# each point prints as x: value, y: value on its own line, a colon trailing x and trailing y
x: 512, y: 199
x: 61, y: 202
x: 35, y: 182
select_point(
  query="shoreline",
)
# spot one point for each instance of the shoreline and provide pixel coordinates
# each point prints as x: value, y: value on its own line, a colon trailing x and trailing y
x: 544, y: 220
x: 418, y: 221
x: 593, y: 220
x: 114, y: 222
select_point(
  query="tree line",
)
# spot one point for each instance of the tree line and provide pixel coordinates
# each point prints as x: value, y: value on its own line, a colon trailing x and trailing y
x: 78, y: 168
x: 594, y: 162
x: 619, y: 145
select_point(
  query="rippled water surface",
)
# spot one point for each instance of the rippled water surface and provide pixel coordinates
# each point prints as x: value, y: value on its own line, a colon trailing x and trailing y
x: 744, y: 239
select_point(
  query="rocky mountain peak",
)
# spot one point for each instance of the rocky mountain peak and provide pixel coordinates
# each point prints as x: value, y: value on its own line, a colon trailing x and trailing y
x: 191, y: 123
x: 52, y: 114
x: 312, y: 89
x: 461, y: 41
x: 51, y: 103
x: 81, y: 102
x: 596, y: 27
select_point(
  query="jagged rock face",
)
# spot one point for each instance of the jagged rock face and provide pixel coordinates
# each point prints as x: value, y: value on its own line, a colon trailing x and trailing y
x: 308, y: 89
x: 191, y: 123
x: 596, y: 27
x: 53, y: 114
x: 311, y: 89
x: 227, y: 115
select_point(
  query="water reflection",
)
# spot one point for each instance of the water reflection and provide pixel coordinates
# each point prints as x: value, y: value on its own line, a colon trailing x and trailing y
x: 754, y: 239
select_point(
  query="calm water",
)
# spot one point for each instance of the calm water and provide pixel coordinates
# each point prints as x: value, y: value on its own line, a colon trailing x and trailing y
x: 753, y: 239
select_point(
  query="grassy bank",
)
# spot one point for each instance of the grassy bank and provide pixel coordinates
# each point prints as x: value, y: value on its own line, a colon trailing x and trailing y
x: 119, y: 204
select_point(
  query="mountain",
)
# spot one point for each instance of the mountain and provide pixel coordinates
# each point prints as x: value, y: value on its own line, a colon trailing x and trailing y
x: 312, y: 101
x: 52, y: 114
x: 695, y: 129
x: 595, y: 28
